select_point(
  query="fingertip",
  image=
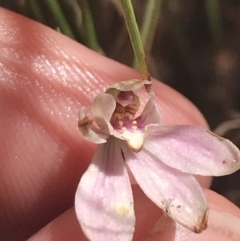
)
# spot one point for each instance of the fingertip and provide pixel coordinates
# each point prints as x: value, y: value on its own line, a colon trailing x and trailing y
x: 220, y: 203
x: 175, y: 108
x: 64, y: 227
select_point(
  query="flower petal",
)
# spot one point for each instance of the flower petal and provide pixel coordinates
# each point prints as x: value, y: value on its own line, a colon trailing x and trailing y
x: 193, y: 149
x: 150, y: 115
x: 88, y: 131
x: 178, y: 194
x: 103, y: 107
x: 130, y: 85
x: 104, y: 201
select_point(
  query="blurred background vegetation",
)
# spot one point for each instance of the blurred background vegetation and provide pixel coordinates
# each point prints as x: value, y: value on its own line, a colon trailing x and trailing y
x: 191, y: 45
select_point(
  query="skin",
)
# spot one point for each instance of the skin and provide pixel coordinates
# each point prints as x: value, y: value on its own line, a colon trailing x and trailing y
x: 45, y: 78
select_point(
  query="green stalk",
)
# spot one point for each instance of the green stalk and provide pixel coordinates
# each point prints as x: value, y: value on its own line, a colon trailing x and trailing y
x: 88, y: 26
x: 136, y: 40
x: 214, y: 20
x: 60, y: 18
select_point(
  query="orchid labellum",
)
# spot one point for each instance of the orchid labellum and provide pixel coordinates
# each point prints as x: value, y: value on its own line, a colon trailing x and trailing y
x: 162, y: 159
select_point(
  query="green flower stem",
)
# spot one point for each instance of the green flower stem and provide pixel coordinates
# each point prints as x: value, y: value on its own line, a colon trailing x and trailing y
x: 136, y: 40
x: 60, y: 18
x: 88, y: 26
x: 214, y: 20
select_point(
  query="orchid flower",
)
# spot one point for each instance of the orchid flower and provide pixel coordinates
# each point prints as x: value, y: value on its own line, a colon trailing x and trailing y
x: 162, y: 159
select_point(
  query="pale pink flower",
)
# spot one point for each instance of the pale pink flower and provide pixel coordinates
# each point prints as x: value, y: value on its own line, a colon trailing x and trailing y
x: 161, y: 158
